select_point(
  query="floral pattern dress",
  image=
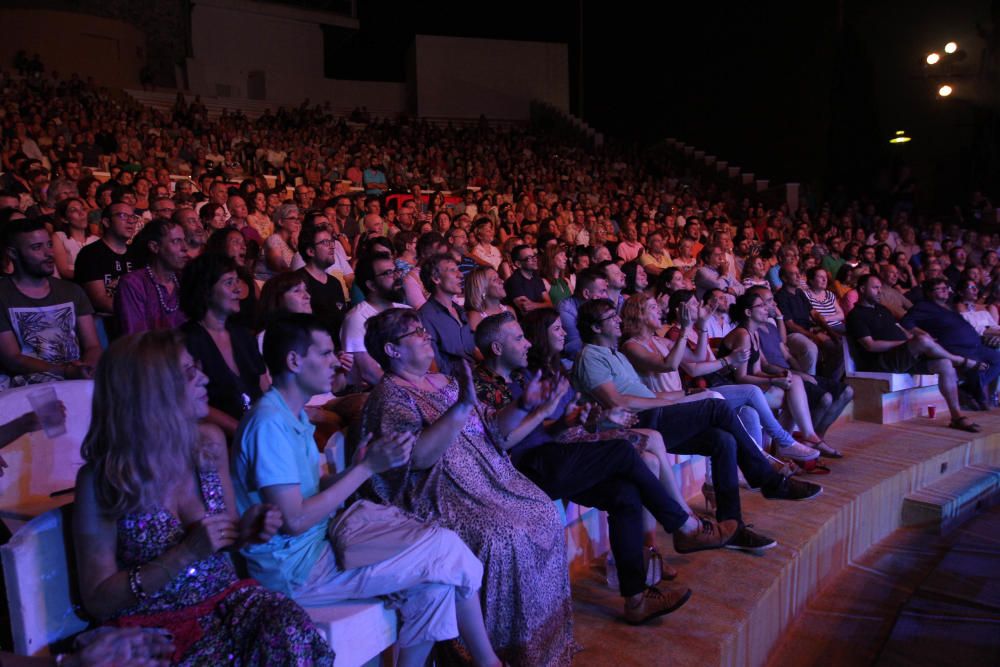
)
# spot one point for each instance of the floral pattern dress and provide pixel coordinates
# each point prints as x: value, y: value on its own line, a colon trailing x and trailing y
x: 507, y: 521
x: 215, y: 617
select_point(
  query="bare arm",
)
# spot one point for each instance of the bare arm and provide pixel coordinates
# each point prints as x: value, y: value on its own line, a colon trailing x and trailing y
x: 608, y: 396
x: 99, y: 297
x: 646, y: 361
x: 871, y: 345
x: 368, y: 368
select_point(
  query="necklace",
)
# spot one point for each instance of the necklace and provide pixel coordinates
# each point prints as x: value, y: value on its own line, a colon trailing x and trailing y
x: 159, y: 291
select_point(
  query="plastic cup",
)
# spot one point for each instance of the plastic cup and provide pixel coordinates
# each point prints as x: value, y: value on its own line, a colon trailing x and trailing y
x: 931, y: 411
x: 45, y: 403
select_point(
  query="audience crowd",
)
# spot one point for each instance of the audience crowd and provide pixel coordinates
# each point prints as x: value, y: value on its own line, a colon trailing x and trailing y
x: 494, y: 317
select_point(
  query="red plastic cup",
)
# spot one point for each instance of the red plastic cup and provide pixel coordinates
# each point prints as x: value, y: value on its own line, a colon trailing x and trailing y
x: 931, y: 411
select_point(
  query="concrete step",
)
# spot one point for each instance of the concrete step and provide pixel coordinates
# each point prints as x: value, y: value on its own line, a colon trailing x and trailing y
x: 952, y: 499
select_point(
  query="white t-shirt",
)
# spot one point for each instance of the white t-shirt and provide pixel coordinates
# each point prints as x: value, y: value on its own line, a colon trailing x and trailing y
x: 352, y: 332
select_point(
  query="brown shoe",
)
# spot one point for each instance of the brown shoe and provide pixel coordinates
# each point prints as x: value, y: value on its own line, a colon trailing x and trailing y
x: 710, y: 536
x: 655, y: 603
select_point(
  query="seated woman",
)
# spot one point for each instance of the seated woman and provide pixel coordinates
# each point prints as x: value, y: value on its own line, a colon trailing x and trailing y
x: 971, y: 308
x: 544, y: 330
x: 658, y: 360
x: 210, y: 297
x: 484, y: 295
x: 70, y: 236
x: 230, y: 242
x: 460, y: 476
x: 781, y: 387
x: 828, y: 312
x: 755, y: 272
x: 153, y: 523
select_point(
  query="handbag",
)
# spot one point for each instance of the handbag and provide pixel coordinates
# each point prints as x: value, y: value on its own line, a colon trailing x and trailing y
x: 367, y: 533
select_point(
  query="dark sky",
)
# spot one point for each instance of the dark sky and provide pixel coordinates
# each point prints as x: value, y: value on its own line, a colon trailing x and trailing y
x: 808, y: 91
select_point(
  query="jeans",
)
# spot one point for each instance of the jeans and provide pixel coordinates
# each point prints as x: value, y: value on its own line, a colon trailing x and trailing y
x: 711, y: 428
x: 748, y: 395
x: 611, y: 476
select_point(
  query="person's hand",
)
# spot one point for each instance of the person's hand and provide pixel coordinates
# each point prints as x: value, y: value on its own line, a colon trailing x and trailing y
x: 686, y: 315
x: 110, y: 647
x: 211, y: 534
x: 76, y: 370
x: 346, y: 361
x: 536, y: 392
x: 738, y: 356
x: 621, y: 416
x: 576, y: 413
x: 703, y: 314
x: 260, y: 523
x: 782, y: 382
x: 29, y: 422
x: 551, y: 406
x: 389, y: 451
x: 466, y: 387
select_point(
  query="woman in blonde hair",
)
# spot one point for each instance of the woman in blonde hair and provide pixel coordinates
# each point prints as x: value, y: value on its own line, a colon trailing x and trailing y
x: 484, y: 292
x: 155, y: 516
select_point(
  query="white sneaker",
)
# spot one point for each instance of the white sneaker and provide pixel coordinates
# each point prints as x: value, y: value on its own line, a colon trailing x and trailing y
x: 797, y: 452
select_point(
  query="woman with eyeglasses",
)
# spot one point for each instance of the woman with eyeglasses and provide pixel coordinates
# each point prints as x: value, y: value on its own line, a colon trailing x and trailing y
x: 460, y: 476
x: 210, y: 297
x: 155, y: 516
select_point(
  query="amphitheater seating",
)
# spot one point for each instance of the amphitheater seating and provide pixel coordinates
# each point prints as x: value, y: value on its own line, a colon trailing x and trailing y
x: 887, y: 398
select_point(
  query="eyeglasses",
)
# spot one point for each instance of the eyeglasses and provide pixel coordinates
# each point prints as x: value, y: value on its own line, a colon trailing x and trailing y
x: 324, y: 242
x: 125, y: 217
x: 388, y: 272
x: 612, y: 316
x: 419, y: 331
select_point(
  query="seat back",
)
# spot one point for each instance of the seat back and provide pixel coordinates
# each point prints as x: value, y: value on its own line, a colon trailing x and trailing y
x: 39, y: 465
x: 39, y: 572
x: 849, y: 368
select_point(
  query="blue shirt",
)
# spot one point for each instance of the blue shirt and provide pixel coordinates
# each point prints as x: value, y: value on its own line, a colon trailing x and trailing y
x: 598, y: 364
x: 948, y: 327
x: 452, y: 339
x: 273, y: 447
x: 568, y: 309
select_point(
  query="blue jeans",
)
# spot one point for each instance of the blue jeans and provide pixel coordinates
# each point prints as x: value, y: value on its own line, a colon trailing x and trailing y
x: 740, y: 396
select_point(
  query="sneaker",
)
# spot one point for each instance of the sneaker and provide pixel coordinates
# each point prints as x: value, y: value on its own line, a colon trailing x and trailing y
x: 655, y: 603
x: 797, y: 452
x: 710, y: 536
x: 748, y: 540
x: 792, y: 489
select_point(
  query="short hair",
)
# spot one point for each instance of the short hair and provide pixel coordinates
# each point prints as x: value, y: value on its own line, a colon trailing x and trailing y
x: 585, y: 279
x: 428, y: 243
x: 488, y: 331
x: 429, y: 269
x: 199, y: 278
x: 516, y: 251
x: 208, y: 211
x: 402, y: 239
x: 386, y: 327
x: 929, y: 285
x: 14, y: 228
x: 307, y: 238
x: 591, y: 314
x: 292, y: 332
x: 783, y: 272
x: 480, y: 223
x: 365, y: 271
x: 283, y: 211
x: 864, y: 280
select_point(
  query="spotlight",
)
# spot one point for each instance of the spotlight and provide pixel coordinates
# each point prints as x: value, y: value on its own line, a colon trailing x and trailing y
x: 945, y: 90
x: 933, y: 58
x: 950, y: 47
x: 900, y: 138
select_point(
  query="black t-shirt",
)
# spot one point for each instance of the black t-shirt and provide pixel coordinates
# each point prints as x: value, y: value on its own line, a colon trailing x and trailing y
x: 876, y: 322
x: 227, y: 391
x: 517, y: 286
x: 329, y: 304
x: 97, y: 261
x: 795, y: 307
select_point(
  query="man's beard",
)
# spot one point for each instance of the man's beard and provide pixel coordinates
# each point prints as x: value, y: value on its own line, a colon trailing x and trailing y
x: 395, y: 294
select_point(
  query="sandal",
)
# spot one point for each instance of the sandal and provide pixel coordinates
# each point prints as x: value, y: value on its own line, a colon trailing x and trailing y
x: 972, y: 365
x: 815, y: 468
x: 965, y: 424
x: 818, y: 443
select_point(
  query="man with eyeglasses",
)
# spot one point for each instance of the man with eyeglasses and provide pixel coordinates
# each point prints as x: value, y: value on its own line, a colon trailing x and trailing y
x: 445, y: 320
x: 162, y: 208
x: 382, y: 284
x: 707, y: 427
x: 329, y: 303
x: 100, y: 265
x: 525, y: 288
x: 937, y: 315
x: 884, y: 346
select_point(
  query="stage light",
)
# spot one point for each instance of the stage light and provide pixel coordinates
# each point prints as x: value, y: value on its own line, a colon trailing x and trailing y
x: 950, y: 47
x: 933, y: 58
x: 945, y: 90
x: 900, y: 138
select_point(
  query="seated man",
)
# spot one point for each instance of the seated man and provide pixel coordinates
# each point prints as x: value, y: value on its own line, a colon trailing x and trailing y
x: 708, y: 427
x: 100, y: 265
x: 883, y: 346
x: 147, y: 298
x: 525, y: 287
x: 444, y: 320
x: 608, y: 474
x: 937, y: 316
x: 47, y: 329
x: 275, y: 461
x: 381, y: 283
x: 591, y: 283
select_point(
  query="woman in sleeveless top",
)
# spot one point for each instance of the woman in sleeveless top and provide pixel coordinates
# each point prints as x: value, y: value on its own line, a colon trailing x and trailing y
x: 824, y: 302
x: 782, y: 388
x: 483, y: 294
x: 155, y: 516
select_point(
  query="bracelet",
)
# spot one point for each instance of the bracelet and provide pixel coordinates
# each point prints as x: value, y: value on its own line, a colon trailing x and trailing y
x: 170, y: 576
x: 135, y: 583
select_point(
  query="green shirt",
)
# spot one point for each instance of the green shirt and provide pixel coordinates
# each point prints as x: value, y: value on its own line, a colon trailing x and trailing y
x: 597, y: 364
x: 274, y: 446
